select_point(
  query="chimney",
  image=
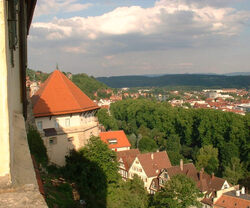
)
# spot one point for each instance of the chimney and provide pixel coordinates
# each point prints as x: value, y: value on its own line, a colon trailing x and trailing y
x: 243, y: 191
x: 181, y: 164
x: 152, y: 156
x: 201, y: 173
x: 212, y: 176
x: 238, y: 193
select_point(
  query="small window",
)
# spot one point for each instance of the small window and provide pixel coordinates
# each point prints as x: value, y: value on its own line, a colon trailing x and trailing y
x: 40, y: 125
x: 67, y: 122
x: 70, y: 139
x: 112, y: 141
x: 52, y: 140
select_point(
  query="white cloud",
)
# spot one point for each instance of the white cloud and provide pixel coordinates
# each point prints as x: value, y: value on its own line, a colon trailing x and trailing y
x: 45, y: 7
x: 166, y: 16
x: 170, y: 25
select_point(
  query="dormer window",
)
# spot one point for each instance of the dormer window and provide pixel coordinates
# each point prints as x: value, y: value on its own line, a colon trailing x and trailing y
x: 112, y: 141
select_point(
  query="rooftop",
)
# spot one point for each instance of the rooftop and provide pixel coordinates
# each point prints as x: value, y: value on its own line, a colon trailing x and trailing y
x: 115, y: 139
x: 58, y: 96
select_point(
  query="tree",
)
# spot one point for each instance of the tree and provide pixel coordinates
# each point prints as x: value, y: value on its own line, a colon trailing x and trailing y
x: 207, y: 158
x: 234, y: 172
x: 129, y: 194
x: 93, y: 168
x: 173, y: 148
x: 37, y: 147
x: 147, y: 145
x: 106, y: 120
x: 178, y: 192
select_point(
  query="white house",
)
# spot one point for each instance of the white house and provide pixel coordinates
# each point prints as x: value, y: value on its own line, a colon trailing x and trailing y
x: 64, y: 116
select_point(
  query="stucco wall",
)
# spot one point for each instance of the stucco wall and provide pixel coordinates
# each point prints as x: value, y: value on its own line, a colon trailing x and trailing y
x: 121, y: 149
x: 10, y: 99
x: 76, y: 120
x: 134, y: 170
x: 4, y: 116
x: 80, y: 130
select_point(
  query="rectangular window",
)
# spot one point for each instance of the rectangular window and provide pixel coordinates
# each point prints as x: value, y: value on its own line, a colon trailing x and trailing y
x: 40, y: 125
x: 52, y: 140
x: 112, y: 141
x: 67, y: 122
x: 70, y: 139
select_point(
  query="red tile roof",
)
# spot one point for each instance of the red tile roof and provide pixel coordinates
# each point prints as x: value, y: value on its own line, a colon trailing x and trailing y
x: 153, y: 163
x: 128, y: 157
x: 120, y: 136
x: 227, y: 201
x: 204, y: 181
x: 58, y: 95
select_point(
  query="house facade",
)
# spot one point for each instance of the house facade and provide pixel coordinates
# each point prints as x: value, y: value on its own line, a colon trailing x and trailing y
x: 148, y: 166
x: 64, y: 116
x: 125, y: 159
x: 210, y: 185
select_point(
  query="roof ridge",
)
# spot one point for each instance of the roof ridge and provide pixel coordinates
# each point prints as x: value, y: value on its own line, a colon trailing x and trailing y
x: 72, y: 94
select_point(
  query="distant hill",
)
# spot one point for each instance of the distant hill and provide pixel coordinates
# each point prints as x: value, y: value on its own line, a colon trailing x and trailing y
x: 238, y: 74
x: 88, y: 84
x: 178, y: 80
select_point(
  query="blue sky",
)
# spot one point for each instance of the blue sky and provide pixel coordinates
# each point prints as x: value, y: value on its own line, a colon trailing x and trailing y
x: 121, y: 37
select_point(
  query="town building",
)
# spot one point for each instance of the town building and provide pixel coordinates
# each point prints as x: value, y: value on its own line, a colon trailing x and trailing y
x: 125, y: 159
x: 116, y: 140
x: 209, y: 185
x: 64, y: 116
x: 148, y: 166
x: 18, y: 185
x: 237, y: 198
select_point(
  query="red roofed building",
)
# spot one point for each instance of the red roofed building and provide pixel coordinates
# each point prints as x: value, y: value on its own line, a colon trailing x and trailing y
x: 148, y: 166
x: 210, y: 185
x: 116, y: 140
x: 125, y: 159
x: 64, y: 115
x: 233, y: 199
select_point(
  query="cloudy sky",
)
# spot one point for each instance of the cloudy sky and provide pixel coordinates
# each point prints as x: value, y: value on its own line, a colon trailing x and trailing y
x: 125, y: 37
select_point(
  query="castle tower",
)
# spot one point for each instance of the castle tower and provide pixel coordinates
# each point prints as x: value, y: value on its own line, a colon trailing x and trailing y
x: 64, y: 116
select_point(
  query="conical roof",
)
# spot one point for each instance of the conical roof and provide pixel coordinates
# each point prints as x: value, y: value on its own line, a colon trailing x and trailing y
x: 58, y: 96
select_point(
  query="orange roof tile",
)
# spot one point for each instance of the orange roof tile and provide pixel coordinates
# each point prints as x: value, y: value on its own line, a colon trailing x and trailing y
x: 227, y: 201
x: 58, y: 95
x: 120, y: 136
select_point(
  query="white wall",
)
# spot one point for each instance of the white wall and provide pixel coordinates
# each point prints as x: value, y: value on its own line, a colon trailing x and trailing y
x: 136, y: 168
x: 76, y: 120
x: 15, y: 162
x: 121, y: 149
x: 81, y: 127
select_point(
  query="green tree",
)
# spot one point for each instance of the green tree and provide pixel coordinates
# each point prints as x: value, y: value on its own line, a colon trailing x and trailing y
x: 106, y: 120
x: 234, y: 172
x: 93, y: 168
x: 173, y: 148
x: 179, y: 192
x: 147, y: 145
x: 36, y: 146
x: 129, y: 194
x: 207, y: 158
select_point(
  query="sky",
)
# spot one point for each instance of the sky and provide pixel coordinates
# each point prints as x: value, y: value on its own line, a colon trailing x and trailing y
x: 136, y: 37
